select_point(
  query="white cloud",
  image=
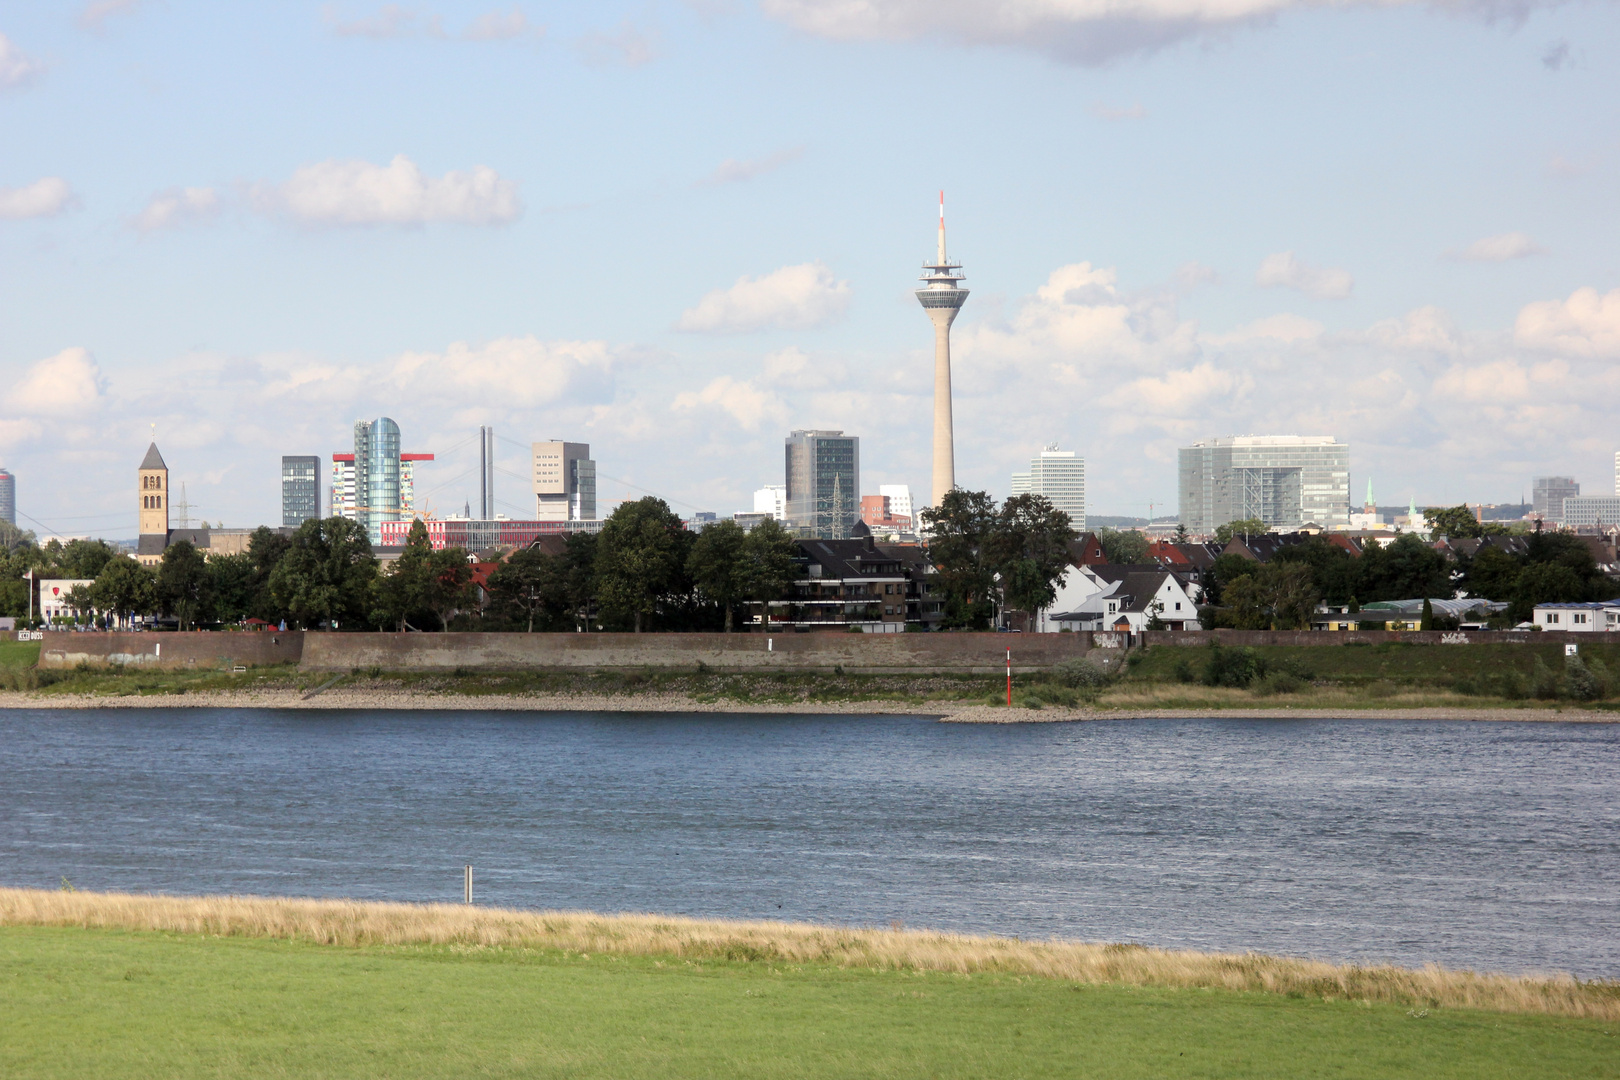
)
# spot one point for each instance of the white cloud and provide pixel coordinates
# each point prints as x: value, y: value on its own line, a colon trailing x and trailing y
x: 743, y: 401
x: 1587, y: 324
x: 1500, y: 248
x: 1323, y: 282
x: 1073, y: 31
x: 17, y: 68
x: 499, y: 26
x: 792, y: 298
x: 46, y: 197
x: 731, y: 171
x: 68, y: 384
x: 176, y: 207
x: 626, y: 46
x: 390, y: 21
x: 96, y: 14
x: 360, y: 193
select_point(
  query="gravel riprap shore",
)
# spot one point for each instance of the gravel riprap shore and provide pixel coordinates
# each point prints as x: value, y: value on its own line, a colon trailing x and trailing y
x: 946, y: 711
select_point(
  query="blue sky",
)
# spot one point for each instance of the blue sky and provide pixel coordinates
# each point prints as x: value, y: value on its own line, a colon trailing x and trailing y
x: 676, y: 231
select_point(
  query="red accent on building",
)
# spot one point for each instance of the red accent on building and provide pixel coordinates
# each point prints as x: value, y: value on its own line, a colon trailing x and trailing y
x: 342, y: 457
x: 461, y: 533
x: 414, y: 457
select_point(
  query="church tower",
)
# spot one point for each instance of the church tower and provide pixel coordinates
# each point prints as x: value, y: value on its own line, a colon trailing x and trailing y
x: 154, y: 513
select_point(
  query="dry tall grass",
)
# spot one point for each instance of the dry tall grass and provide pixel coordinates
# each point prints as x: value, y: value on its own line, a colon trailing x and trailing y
x: 354, y: 923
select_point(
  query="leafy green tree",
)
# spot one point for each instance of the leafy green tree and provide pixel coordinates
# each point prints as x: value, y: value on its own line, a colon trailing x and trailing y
x: 578, y: 575
x: 962, y: 548
x: 1123, y: 548
x: 1182, y: 535
x: 1032, y: 551
x: 1426, y: 620
x: 1333, y: 569
x: 1546, y: 583
x: 641, y: 558
x: 80, y: 558
x: 1404, y: 569
x: 1492, y: 574
x: 1227, y: 568
x: 1241, y: 527
x: 125, y: 588
x: 233, y: 581
x: 769, y: 569
x: 530, y: 583
x: 326, y: 574
x: 1454, y: 522
x: 421, y: 580
x: 183, y: 584
x: 12, y: 538
x: 1247, y: 603
x: 716, y: 565
x: 1293, y: 594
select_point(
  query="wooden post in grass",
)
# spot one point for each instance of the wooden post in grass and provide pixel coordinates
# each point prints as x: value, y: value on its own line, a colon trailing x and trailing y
x: 1009, y: 678
x: 469, y: 883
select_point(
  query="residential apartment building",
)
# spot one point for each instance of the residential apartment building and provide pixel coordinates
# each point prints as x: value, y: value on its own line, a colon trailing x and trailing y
x: 564, y: 481
x: 855, y: 583
x: 823, y: 483
x: 1548, y: 494
x: 1284, y: 480
x: 1059, y: 476
x: 300, y: 490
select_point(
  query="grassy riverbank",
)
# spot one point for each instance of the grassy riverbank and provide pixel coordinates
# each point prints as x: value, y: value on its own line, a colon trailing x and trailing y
x: 1486, y: 679
x: 118, y: 986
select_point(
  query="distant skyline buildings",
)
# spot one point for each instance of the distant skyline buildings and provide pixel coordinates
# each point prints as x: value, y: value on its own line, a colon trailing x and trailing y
x: 563, y: 481
x: 1547, y: 495
x: 376, y: 483
x: 300, y: 489
x: 823, y: 473
x: 8, y: 497
x: 1059, y: 476
x: 1283, y: 480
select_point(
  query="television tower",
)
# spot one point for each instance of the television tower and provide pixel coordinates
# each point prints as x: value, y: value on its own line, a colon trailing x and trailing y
x: 942, y: 298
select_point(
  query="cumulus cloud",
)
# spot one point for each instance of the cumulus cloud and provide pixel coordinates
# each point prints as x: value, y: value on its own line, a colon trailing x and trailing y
x: 792, y: 298
x: 1283, y: 270
x: 1073, y: 31
x: 1500, y: 248
x: 17, y: 68
x: 46, y: 197
x: 732, y: 171
x: 746, y: 403
x: 1585, y: 325
x: 95, y: 15
x: 626, y: 46
x: 390, y: 21
x: 360, y: 193
x: 498, y: 26
x: 176, y: 207
x: 1557, y: 57
x: 67, y: 384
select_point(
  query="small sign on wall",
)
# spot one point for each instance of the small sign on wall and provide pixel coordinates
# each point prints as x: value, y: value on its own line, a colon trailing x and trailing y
x: 1570, y: 648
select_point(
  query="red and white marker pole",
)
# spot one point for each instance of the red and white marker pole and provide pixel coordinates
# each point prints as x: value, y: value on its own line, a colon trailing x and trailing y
x: 1009, y: 677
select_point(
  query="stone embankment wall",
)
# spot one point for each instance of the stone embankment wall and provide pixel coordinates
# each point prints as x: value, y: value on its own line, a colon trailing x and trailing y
x: 898, y: 653
x: 193, y: 649
x: 874, y: 653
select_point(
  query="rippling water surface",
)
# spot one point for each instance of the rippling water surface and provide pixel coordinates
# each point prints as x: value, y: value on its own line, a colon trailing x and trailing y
x: 1485, y: 845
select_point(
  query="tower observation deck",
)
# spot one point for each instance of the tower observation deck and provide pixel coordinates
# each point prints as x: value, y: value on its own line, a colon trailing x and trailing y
x: 942, y: 297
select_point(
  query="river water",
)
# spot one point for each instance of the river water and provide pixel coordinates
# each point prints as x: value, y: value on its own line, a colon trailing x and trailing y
x: 1467, y: 844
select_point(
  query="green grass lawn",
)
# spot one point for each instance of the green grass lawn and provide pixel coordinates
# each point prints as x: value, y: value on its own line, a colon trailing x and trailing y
x: 18, y: 653
x: 91, y: 1003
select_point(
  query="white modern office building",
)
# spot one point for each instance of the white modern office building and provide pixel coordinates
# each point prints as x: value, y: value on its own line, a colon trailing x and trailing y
x: 1060, y: 477
x: 899, y: 496
x: 771, y: 500
x: 1284, y: 480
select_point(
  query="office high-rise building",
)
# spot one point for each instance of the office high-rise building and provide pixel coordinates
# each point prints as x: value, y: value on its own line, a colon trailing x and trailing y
x: 942, y: 297
x: 1548, y: 494
x: 376, y: 483
x: 8, y: 497
x: 771, y: 499
x: 1060, y: 477
x: 823, y: 483
x: 300, y: 490
x: 564, y: 481
x: 1283, y: 480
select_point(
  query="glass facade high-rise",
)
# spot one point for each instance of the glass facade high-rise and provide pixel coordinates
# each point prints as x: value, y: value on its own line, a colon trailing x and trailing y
x: 1549, y: 493
x: 300, y: 490
x: 1283, y: 480
x: 1060, y: 477
x: 8, y: 497
x: 823, y: 483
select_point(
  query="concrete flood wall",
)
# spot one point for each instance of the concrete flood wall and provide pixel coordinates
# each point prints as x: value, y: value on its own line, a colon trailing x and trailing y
x: 899, y: 653
x: 733, y: 652
x: 196, y: 650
